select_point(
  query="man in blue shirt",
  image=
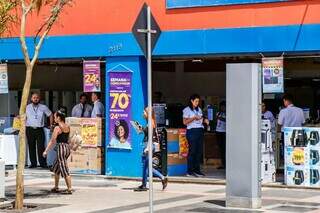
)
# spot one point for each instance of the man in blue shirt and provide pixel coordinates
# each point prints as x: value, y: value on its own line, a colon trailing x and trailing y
x: 36, y: 115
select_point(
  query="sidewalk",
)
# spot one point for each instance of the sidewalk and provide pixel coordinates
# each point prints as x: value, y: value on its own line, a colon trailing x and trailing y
x: 96, y: 194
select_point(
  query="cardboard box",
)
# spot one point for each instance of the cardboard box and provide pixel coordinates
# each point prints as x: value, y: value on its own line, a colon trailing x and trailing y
x: 313, y: 135
x: 86, y: 161
x: 175, y: 159
x: 291, y: 136
x: 172, y: 135
x: 79, y: 125
x: 297, y: 156
x: 315, y: 156
x: 315, y: 176
x: 297, y: 175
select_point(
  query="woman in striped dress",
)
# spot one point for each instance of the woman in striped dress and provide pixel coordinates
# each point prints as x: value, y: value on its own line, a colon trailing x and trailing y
x: 60, y: 136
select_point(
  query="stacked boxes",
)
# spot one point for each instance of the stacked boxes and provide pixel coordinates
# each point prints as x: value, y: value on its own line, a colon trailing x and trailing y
x: 268, y: 166
x: 177, y: 163
x: 302, y: 159
x: 89, y: 158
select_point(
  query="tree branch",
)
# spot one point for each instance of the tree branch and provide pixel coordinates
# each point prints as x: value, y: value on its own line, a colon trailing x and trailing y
x: 23, y: 33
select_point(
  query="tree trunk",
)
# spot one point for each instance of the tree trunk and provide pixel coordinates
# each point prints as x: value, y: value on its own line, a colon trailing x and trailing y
x: 22, y: 140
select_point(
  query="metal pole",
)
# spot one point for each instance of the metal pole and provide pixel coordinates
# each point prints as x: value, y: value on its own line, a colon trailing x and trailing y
x: 150, y: 126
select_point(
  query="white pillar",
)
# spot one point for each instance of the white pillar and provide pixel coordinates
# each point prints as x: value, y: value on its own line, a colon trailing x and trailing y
x: 243, y: 135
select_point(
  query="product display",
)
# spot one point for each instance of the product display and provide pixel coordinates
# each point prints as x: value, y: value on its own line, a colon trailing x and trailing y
x: 302, y: 156
x: 297, y: 176
x: 268, y: 166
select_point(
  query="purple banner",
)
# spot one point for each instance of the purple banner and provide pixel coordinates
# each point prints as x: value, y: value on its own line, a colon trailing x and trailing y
x: 120, y: 110
x: 91, y: 76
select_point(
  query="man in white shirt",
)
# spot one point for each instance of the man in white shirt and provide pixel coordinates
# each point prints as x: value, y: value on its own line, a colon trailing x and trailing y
x: 82, y: 110
x: 98, y: 108
x: 36, y: 114
x: 290, y: 116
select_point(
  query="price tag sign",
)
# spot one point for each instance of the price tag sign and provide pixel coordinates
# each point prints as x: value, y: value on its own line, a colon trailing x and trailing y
x: 120, y: 110
x: 91, y: 76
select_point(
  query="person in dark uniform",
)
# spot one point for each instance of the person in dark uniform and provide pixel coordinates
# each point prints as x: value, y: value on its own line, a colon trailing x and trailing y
x: 36, y: 115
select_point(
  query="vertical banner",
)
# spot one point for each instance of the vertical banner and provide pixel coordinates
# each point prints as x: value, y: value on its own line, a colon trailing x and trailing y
x: 4, y: 79
x: 91, y: 76
x: 272, y: 71
x: 120, y: 110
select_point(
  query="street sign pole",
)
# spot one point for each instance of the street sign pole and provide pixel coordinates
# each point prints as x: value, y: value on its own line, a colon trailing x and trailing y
x: 150, y: 126
x: 152, y: 36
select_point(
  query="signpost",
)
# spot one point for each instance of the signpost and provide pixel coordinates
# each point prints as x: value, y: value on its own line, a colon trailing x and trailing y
x: 147, y: 32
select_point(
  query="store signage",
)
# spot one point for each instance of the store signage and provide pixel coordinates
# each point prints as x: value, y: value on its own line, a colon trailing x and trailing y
x: 91, y: 76
x: 272, y: 71
x: 89, y: 133
x: 120, y: 110
x: 4, y: 89
x: 172, y: 4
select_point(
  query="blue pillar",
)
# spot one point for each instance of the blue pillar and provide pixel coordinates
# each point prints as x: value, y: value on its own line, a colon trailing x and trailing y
x: 127, y: 162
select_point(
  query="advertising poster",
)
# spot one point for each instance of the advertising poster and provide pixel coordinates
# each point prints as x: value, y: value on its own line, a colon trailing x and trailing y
x: 89, y: 133
x: 91, y: 76
x: 272, y: 71
x: 4, y: 79
x: 120, y: 110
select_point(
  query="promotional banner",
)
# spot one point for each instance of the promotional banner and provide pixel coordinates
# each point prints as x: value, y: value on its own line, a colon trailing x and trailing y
x: 4, y: 79
x: 272, y: 71
x: 91, y: 76
x: 120, y: 110
x: 89, y: 133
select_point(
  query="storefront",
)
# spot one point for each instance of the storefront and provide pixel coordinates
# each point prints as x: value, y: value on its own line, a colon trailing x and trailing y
x: 196, y: 43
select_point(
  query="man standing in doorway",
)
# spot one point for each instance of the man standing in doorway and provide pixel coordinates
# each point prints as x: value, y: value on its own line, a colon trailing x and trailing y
x: 290, y: 116
x: 36, y: 114
x: 98, y: 108
x: 82, y: 110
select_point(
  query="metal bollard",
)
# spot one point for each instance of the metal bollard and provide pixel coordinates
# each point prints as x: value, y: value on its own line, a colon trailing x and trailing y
x: 2, y: 181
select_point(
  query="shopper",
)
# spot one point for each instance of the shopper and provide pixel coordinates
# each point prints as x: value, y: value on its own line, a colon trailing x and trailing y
x: 36, y: 114
x: 82, y: 110
x: 98, y: 108
x: 60, y: 138
x: 266, y: 114
x: 193, y: 119
x: 221, y: 132
x: 145, y: 157
x: 290, y: 116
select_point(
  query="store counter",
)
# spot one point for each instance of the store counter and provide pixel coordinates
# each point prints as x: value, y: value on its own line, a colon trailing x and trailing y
x: 211, y: 153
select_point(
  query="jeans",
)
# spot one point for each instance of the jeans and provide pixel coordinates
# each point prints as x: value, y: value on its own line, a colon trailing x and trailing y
x: 221, y: 137
x: 195, y: 141
x: 145, y: 170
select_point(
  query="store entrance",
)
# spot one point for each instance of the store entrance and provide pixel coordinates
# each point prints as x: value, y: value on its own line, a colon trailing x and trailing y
x: 174, y: 81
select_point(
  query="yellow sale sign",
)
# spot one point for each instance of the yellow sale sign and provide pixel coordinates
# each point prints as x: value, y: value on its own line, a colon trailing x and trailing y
x: 89, y: 133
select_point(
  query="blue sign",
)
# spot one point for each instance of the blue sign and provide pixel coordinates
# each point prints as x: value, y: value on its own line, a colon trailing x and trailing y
x: 171, y: 4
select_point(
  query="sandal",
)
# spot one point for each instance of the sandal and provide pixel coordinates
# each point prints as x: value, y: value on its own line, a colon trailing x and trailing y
x: 55, y: 190
x: 67, y: 192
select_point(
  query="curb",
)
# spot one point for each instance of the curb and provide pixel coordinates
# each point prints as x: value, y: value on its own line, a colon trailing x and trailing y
x: 183, y: 180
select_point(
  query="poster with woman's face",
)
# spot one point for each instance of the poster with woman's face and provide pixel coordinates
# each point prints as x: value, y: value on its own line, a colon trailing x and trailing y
x: 120, y: 110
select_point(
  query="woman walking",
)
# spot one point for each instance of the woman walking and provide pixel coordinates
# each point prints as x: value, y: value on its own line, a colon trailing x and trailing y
x: 60, y: 137
x: 145, y: 157
x: 193, y: 119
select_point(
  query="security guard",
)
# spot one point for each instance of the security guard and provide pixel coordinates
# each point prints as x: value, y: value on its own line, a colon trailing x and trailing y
x: 36, y: 114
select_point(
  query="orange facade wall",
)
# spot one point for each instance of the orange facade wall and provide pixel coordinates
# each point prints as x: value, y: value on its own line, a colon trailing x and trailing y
x: 117, y: 16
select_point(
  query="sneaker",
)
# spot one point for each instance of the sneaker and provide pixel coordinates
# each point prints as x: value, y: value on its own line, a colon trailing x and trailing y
x: 199, y: 174
x: 32, y: 167
x: 191, y: 175
x: 140, y: 189
x: 164, y: 183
